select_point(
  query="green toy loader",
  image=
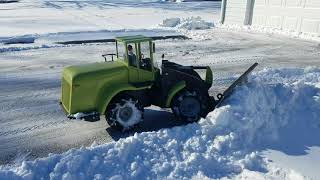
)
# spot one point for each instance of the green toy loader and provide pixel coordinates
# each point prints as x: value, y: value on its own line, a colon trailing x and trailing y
x: 121, y: 88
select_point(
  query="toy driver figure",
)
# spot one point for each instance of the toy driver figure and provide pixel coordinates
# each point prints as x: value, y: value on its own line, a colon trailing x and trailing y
x: 131, y: 56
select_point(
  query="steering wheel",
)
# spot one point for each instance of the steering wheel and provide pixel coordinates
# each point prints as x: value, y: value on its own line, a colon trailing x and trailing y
x: 142, y: 63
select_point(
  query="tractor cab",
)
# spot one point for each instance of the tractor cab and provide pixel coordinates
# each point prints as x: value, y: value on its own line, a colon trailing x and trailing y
x: 136, y: 52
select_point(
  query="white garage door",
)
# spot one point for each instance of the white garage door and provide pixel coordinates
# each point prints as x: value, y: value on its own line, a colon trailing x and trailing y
x: 298, y: 15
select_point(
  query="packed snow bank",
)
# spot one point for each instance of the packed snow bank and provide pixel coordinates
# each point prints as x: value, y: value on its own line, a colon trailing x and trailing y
x: 8, y: 1
x: 224, y: 145
x: 272, y: 30
x: 205, y: 34
x: 26, y: 17
x: 12, y: 48
x: 35, y: 41
x: 191, y: 23
x: 19, y: 39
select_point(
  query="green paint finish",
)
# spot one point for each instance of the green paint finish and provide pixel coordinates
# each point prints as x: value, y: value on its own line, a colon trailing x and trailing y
x: 129, y: 39
x: 91, y: 87
x: 86, y: 81
x: 173, y: 91
x: 110, y: 91
x: 209, y: 77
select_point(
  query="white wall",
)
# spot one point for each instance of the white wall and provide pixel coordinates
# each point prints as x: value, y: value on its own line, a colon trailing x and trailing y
x: 299, y: 15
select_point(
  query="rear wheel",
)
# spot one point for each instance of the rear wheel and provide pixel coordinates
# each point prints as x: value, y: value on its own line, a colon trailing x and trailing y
x: 124, y: 113
x: 187, y: 106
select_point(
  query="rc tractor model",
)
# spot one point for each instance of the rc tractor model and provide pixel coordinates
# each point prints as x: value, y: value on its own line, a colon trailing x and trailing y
x: 121, y: 88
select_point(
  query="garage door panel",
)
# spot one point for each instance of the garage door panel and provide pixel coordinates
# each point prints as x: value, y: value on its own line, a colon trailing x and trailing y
x: 275, y: 2
x: 290, y: 23
x: 293, y: 3
x: 274, y: 21
x: 310, y: 25
x: 313, y: 4
x: 299, y: 15
x: 259, y: 19
x: 260, y: 2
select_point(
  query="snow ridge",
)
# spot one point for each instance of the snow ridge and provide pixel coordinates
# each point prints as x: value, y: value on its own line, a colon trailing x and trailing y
x: 224, y: 145
x: 273, y: 30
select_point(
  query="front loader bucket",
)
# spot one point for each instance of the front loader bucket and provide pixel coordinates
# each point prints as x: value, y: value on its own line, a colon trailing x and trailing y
x: 240, y: 81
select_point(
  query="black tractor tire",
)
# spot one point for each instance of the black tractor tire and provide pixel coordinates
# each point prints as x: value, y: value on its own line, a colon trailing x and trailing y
x: 124, y: 113
x: 189, y: 106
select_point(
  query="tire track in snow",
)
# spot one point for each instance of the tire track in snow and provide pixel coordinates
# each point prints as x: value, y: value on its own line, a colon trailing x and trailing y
x: 32, y: 128
x: 25, y: 87
x: 29, y: 75
x: 38, y: 112
x: 214, y: 61
x: 31, y: 100
x: 35, y: 94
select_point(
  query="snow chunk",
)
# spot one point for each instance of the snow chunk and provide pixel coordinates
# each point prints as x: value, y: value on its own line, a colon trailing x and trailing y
x: 171, y: 22
x: 79, y: 115
x: 192, y: 23
x: 195, y: 23
x: 27, y: 39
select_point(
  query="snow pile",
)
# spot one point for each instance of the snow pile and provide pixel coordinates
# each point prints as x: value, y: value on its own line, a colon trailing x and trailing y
x: 171, y: 22
x: 273, y: 30
x: 12, y: 48
x: 8, y: 1
x: 275, y: 99
x: 191, y: 23
x: 27, y: 39
x: 178, y: 1
x: 224, y: 145
x: 206, y: 34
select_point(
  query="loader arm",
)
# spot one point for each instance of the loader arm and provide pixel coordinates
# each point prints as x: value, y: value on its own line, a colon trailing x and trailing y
x: 208, y: 78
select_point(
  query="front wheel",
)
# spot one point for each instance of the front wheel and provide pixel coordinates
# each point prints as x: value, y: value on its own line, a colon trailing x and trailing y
x: 124, y: 113
x: 187, y: 106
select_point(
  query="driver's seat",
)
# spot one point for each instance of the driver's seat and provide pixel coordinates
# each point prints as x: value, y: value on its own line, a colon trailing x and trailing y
x: 145, y: 64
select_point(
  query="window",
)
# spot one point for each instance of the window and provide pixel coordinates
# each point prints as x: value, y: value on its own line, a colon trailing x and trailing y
x: 145, y: 60
x: 121, y: 50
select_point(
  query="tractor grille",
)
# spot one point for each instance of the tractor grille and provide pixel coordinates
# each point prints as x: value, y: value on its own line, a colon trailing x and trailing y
x: 66, y: 94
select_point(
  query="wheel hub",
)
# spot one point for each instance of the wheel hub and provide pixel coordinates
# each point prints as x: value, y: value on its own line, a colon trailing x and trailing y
x: 190, y: 107
x: 125, y: 113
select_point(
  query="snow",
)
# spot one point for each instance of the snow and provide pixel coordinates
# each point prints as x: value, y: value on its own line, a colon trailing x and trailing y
x: 50, y: 40
x: 17, y: 40
x: 26, y: 17
x: 307, y: 163
x: 172, y: 22
x: 267, y: 130
x: 191, y: 23
x: 273, y: 30
x: 82, y: 115
x: 37, y: 124
x: 227, y: 144
x: 24, y: 27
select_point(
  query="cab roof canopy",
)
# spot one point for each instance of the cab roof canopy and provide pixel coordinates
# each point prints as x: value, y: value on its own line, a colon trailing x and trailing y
x: 130, y: 39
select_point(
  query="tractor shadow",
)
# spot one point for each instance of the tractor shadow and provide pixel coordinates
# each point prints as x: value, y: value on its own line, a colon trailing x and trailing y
x: 153, y: 120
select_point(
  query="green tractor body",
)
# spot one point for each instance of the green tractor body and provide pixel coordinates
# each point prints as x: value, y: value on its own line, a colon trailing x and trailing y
x: 121, y: 88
